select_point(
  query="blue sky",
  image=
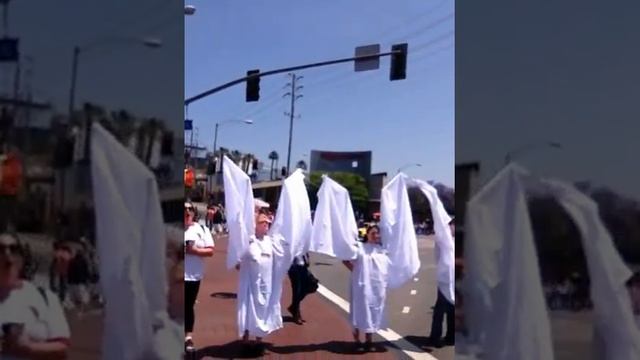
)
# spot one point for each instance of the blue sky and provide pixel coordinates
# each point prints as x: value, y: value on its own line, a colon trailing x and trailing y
x: 121, y: 74
x: 402, y: 122
x: 575, y: 82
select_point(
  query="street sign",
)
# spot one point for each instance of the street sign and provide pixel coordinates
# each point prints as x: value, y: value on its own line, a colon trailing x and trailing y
x: 369, y: 64
x: 9, y: 50
x: 188, y: 124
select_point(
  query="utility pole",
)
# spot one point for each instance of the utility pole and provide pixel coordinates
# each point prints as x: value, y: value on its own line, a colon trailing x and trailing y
x: 294, y: 98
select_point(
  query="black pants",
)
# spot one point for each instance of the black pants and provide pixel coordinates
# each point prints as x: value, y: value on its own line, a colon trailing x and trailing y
x: 443, y: 306
x: 191, y: 289
x: 296, y: 275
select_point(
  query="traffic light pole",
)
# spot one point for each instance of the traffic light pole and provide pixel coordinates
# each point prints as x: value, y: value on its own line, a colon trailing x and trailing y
x: 284, y: 70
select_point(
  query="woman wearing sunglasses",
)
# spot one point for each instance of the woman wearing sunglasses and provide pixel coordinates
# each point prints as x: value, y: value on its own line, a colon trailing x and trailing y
x: 33, y: 322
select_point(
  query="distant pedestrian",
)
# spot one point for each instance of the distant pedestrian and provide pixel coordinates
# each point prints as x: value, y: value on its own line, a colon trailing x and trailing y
x: 79, y: 278
x: 198, y: 245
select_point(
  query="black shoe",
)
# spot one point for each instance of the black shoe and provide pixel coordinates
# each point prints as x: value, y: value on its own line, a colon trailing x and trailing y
x: 435, y: 342
x: 449, y: 341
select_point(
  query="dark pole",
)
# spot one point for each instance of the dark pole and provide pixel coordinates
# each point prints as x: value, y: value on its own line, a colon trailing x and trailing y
x: 74, y: 74
x: 291, y: 115
x: 215, y: 141
x: 279, y: 71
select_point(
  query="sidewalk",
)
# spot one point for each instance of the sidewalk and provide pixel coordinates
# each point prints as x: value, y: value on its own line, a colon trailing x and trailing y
x: 325, y: 335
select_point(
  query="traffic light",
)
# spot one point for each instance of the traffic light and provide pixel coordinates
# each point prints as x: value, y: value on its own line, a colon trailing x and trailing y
x: 253, y: 86
x: 399, y: 62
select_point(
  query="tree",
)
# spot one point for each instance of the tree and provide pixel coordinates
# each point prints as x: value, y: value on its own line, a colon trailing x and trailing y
x: 273, y: 156
x: 355, y: 184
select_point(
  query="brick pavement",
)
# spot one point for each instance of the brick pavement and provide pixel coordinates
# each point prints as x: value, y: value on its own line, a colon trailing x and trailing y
x: 325, y: 335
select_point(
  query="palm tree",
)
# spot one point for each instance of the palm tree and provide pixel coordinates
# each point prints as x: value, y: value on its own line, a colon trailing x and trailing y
x: 273, y: 156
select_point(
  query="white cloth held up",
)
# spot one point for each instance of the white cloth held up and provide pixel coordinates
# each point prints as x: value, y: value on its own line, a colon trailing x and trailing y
x: 397, y: 231
x: 335, y: 231
x: 507, y: 312
x: 445, y: 244
x: 240, y: 211
x: 131, y: 245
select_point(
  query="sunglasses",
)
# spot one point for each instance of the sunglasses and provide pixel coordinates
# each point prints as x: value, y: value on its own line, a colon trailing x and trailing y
x: 14, y: 249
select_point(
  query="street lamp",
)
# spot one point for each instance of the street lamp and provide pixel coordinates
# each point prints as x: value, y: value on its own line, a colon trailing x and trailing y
x: 189, y: 9
x: 408, y: 166
x: 510, y: 155
x: 215, y: 138
x: 148, y: 42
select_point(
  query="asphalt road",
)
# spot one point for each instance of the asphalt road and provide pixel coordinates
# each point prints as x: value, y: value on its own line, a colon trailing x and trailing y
x: 408, y: 308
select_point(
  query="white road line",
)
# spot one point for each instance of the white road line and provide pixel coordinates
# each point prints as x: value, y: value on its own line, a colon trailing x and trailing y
x: 406, y: 347
x: 406, y: 309
x: 413, y: 292
x: 415, y: 279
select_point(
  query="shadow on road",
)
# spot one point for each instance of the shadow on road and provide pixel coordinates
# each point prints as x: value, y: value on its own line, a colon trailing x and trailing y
x: 232, y: 350
x: 422, y: 342
x: 335, y: 347
x: 224, y: 295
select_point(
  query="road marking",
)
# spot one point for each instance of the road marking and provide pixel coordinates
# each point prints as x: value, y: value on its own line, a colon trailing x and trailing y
x: 406, y: 309
x: 391, y: 336
x: 413, y: 292
x: 415, y: 279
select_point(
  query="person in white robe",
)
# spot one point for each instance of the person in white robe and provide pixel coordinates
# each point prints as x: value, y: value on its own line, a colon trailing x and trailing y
x: 375, y: 265
x: 369, y: 273
x: 255, y: 313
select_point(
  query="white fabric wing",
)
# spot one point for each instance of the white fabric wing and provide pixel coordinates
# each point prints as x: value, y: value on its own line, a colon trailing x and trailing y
x: 397, y: 231
x: 506, y: 305
x: 130, y: 235
x: 444, y: 241
x: 293, y: 217
x: 335, y: 231
x: 239, y: 205
x: 608, y: 273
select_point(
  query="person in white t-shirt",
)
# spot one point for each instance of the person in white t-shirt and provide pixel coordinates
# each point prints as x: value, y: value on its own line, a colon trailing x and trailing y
x: 198, y: 245
x: 33, y: 324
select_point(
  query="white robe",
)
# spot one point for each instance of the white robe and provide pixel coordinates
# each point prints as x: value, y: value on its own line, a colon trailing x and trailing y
x: 335, y: 231
x: 616, y: 334
x: 256, y: 294
x: 397, y: 231
x: 506, y: 309
x: 369, y: 288
x: 445, y: 245
x: 131, y: 244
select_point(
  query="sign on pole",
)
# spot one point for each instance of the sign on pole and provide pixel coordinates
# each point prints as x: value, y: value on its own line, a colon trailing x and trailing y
x: 369, y: 64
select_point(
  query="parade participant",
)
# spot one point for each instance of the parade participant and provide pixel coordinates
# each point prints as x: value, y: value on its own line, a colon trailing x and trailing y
x: 256, y: 315
x: 198, y: 245
x: 443, y: 307
x: 33, y: 322
x: 369, y: 274
x: 297, y: 274
x: 372, y: 264
x: 263, y: 253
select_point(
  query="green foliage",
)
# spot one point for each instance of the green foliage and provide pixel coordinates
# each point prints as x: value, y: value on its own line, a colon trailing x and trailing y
x: 355, y: 184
